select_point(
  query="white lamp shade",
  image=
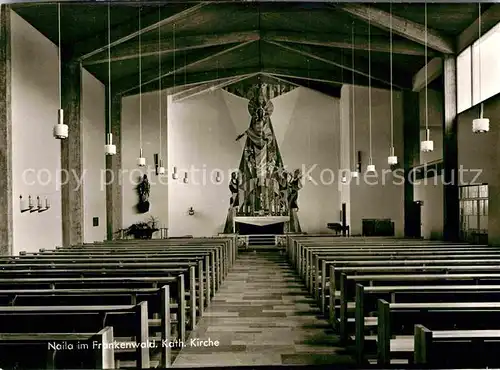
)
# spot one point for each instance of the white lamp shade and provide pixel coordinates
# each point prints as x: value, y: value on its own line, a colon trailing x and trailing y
x: 480, y: 125
x: 161, y: 170
x: 61, y: 131
x: 354, y: 174
x: 392, y: 160
x: 141, y: 161
x: 343, y: 179
x: 110, y: 149
x: 370, y: 168
x: 427, y: 146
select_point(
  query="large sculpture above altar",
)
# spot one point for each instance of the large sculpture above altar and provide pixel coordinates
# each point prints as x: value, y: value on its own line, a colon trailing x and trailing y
x: 262, y: 187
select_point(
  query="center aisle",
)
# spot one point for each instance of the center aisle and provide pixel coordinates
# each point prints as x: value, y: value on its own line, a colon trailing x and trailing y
x: 262, y: 316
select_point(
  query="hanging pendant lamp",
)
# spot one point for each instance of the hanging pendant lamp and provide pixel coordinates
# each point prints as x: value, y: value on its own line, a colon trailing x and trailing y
x: 175, y: 175
x: 480, y: 124
x: 392, y: 160
x: 426, y: 145
x: 370, y: 167
x: 141, y: 161
x: 354, y: 172
x: 161, y: 169
x: 60, y: 130
x: 109, y: 148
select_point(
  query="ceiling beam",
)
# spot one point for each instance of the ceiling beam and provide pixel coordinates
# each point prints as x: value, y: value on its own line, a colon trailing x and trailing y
x: 322, y: 87
x: 187, y: 80
x: 333, y: 40
x: 198, y: 60
x: 400, y: 26
x: 489, y: 19
x: 148, y: 48
x: 433, y: 69
x: 336, y: 60
x: 209, y: 86
x: 123, y: 34
x: 324, y: 76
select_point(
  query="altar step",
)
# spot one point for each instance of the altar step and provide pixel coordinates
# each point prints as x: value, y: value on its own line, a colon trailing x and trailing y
x: 261, y: 240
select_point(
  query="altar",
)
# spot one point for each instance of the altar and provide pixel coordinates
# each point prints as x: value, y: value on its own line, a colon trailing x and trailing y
x: 263, y: 192
x: 261, y: 225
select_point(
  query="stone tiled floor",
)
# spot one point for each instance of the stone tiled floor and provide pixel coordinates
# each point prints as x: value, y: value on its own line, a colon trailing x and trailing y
x: 262, y: 316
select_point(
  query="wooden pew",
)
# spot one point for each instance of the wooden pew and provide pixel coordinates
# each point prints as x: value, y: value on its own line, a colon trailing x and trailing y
x: 384, y: 270
x: 367, y: 300
x: 159, y: 312
x: 87, y: 350
x: 348, y: 284
x: 456, y: 348
x: 213, y: 271
x: 194, y: 283
x: 399, y: 319
x: 307, y: 266
x: 333, y: 269
x: 127, y: 321
x: 311, y: 269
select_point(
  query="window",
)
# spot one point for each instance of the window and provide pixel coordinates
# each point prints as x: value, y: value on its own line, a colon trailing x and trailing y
x: 474, y: 213
x: 470, y: 77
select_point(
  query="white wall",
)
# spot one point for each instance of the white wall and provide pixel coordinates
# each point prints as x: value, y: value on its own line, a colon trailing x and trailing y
x: 201, y: 137
x: 382, y: 195
x: 35, y: 101
x: 434, y: 122
x: 430, y: 192
x: 479, y: 156
x: 312, y: 140
x: 202, y: 132
x: 94, y: 192
x: 151, y: 145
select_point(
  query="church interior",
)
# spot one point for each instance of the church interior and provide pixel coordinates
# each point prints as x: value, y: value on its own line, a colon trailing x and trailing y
x: 240, y: 184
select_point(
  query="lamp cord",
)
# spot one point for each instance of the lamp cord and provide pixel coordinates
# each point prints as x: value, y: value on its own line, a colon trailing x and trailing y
x: 140, y: 81
x: 426, y: 79
x: 392, y: 97
x: 159, y: 76
x: 109, y: 69
x: 370, y: 80
x: 479, y: 52
x: 59, y: 52
x: 353, y: 97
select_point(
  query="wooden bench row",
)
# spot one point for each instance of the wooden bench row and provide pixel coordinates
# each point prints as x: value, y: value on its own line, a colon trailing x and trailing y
x: 425, y: 282
x: 117, y: 277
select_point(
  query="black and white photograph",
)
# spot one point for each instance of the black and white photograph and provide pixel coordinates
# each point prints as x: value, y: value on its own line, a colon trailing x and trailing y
x: 249, y: 184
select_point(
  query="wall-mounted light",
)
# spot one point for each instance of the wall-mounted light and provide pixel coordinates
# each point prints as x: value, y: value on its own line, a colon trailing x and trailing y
x: 30, y: 203
x: 175, y: 175
x: 191, y: 211
x: 185, y: 180
x: 218, y: 177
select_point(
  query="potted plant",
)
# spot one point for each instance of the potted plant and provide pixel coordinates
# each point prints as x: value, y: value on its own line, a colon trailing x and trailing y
x: 141, y: 230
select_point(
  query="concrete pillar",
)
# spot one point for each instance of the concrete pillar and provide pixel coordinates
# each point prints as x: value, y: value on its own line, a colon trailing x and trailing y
x: 451, y: 228
x: 72, y: 156
x: 411, y: 153
x: 114, y: 204
x: 346, y: 151
x: 6, y: 205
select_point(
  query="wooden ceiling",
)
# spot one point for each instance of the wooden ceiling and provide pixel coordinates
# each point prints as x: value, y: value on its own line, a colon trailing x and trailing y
x: 214, y: 43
